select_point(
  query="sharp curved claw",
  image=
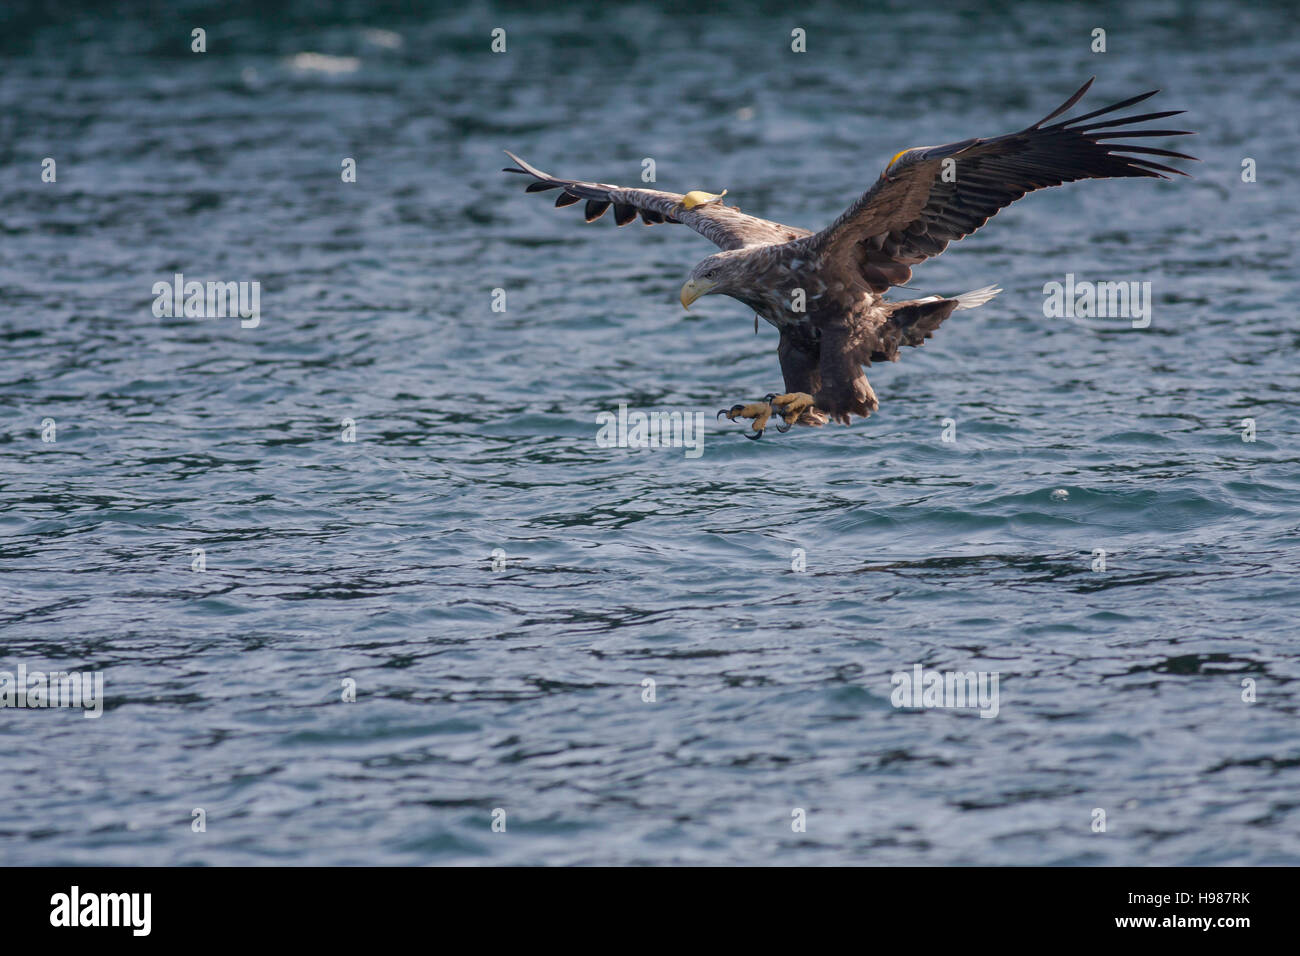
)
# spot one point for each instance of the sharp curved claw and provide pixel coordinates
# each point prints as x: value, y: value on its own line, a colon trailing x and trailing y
x: 784, y: 428
x: 754, y: 437
x: 722, y: 413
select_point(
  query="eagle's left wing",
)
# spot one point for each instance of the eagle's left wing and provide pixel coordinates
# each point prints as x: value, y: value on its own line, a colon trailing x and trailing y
x: 914, y: 210
x: 726, y: 226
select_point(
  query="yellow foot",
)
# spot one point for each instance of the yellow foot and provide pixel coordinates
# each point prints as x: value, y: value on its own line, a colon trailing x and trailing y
x: 760, y: 412
x: 791, y: 407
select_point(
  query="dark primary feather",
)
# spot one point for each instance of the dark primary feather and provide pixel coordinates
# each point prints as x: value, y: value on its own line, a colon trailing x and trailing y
x: 911, y: 214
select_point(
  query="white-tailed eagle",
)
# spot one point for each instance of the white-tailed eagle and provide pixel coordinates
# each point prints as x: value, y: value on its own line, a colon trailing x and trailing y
x: 824, y: 290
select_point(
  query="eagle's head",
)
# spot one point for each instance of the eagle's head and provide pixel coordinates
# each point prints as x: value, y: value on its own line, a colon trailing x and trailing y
x: 722, y: 273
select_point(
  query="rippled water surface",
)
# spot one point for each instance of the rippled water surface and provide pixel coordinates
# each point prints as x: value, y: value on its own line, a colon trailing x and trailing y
x: 521, y: 688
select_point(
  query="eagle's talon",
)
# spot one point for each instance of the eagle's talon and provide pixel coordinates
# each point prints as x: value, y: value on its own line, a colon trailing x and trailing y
x: 791, y: 407
x: 759, y: 412
x: 784, y: 428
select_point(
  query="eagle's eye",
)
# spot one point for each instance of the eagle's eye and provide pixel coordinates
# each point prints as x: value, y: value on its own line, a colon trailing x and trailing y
x: 711, y: 273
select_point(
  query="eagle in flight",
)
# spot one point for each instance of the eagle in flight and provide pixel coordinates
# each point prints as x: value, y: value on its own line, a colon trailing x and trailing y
x: 824, y: 291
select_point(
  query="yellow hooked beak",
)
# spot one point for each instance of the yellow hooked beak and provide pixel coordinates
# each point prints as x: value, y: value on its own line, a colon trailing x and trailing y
x: 695, y: 288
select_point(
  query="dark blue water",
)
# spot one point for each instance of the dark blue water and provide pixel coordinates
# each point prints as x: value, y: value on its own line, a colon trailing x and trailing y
x: 521, y: 688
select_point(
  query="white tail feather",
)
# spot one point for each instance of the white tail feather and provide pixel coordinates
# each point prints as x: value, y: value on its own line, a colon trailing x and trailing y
x: 968, y: 300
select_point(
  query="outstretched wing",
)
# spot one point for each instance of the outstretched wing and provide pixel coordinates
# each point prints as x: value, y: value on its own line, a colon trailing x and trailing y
x: 726, y: 226
x: 912, y: 213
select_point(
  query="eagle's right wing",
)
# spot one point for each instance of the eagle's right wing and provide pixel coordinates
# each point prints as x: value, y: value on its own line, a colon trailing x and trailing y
x: 914, y: 210
x: 726, y: 226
